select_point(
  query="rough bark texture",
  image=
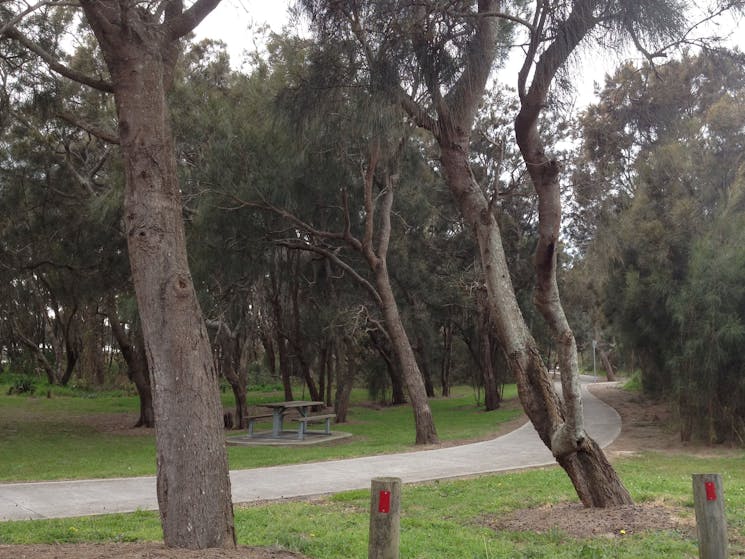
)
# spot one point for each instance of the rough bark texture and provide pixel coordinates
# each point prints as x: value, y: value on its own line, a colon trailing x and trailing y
x: 193, y: 486
x: 423, y: 421
x: 593, y: 477
x: 137, y: 369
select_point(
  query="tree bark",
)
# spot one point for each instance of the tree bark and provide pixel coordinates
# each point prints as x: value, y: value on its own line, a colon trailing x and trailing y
x: 345, y: 371
x: 605, y: 360
x: 193, y: 485
x: 423, y: 421
x: 229, y: 346
x: 137, y: 369
x: 447, y: 357
x: 592, y: 475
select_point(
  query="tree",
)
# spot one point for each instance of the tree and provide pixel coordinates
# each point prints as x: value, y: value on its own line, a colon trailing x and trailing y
x: 663, y: 247
x: 140, y: 46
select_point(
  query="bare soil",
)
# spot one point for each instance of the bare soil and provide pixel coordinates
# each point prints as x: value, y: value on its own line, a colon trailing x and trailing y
x: 646, y: 426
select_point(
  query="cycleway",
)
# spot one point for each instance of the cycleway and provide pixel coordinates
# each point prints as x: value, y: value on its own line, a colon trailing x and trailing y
x: 521, y: 448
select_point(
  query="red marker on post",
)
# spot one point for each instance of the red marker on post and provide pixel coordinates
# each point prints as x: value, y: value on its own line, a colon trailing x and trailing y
x: 384, y: 502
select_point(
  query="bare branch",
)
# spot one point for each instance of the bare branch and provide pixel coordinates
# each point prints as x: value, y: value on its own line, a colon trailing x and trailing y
x: 101, y: 134
x: 185, y: 22
x: 500, y: 15
x: 55, y: 65
x: 338, y: 261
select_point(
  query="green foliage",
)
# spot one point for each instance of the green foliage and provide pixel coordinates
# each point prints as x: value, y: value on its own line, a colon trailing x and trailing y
x: 22, y: 386
x: 668, y: 245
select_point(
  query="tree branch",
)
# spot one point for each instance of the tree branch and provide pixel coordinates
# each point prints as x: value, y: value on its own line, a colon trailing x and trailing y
x: 55, y: 65
x: 339, y: 262
x: 100, y: 133
x: 187, y: 21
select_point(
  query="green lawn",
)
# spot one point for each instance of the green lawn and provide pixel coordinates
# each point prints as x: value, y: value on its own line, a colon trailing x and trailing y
x: 446, y: 520
x: 60, y: 438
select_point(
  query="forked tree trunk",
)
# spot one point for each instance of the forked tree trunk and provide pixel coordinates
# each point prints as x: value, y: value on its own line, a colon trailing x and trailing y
x: 594, y: 479
x: 193, y: 486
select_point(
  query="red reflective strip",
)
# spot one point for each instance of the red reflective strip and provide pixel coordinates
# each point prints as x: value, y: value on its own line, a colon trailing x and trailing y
x: 384, y: 501
x: 711, y: 491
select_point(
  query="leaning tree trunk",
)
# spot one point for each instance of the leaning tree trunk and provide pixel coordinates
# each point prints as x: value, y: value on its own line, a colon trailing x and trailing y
x: 193, y: 485
x: 423, y: 420
x: 593, y: 477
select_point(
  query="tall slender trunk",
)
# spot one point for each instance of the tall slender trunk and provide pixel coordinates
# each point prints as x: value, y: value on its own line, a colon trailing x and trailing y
x: 447, y: 357
x: 133, y: 351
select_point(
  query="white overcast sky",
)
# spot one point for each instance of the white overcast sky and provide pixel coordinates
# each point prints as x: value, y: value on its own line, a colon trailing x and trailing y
x: 235, y: 23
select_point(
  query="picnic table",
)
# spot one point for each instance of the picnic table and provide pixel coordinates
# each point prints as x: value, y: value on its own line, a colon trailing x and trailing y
x: 280, y: 409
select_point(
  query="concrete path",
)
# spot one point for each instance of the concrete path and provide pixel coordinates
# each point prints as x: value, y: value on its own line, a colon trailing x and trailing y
x: 519, y: 449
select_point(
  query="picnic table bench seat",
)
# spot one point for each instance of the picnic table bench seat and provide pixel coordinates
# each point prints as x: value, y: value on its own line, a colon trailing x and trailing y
x: 252, y: 419
x: 303, y: 422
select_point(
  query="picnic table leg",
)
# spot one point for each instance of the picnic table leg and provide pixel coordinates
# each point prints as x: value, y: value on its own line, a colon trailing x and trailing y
x: 276, y: 423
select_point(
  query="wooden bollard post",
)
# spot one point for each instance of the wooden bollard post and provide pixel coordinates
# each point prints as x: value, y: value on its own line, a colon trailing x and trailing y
x: 385, y: 517
x: 711, y: 524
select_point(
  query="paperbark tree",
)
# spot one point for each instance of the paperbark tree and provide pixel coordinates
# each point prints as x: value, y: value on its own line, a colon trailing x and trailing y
x: 140, y: 45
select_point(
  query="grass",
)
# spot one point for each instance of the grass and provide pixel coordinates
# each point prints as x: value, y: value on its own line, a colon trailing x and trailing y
x: 46, y: 438
x: 444, y: 520
x: 54, y: 438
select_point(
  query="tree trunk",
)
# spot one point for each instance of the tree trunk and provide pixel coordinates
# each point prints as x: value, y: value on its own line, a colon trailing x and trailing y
x: 419, y: 352
x: 535, y: 389
x: 423, y: 420
x: 492, y: 398
x: 398, y: 395
x: 137, y: 369
x: 447, y: 357
x: 605, y: 360
x: 230, y: 350
x: 424, y: 423
x: 345, y: 370
x: 193, y: 485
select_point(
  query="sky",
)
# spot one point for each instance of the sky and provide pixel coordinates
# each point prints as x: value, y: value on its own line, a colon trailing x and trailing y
x: 235, y: 22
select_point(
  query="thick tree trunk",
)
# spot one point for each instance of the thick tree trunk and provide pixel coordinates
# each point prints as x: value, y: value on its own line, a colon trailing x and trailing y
x: 193, y: 485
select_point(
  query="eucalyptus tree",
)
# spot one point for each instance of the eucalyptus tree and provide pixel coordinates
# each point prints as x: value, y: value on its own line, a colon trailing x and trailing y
x: 140, y: 44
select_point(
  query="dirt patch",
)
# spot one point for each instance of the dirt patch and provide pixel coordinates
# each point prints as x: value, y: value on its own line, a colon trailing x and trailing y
x: 137, y: 551
x: 576, y: 521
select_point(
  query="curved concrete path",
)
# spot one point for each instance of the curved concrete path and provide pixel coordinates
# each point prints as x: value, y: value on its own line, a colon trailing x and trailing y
x: 521, y: 448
